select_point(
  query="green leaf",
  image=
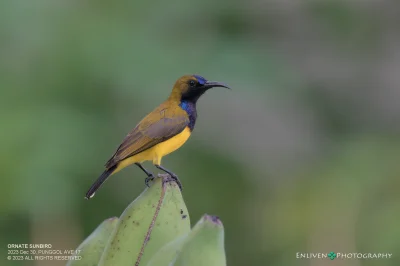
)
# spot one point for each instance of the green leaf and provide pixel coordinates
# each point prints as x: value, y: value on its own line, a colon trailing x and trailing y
x: 154, y: 219
x: 204, y: 246
x: 92, y: 248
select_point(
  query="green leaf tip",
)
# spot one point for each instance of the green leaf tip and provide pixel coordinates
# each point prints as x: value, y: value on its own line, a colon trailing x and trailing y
x: 151, y: 221
x: 213, y: 219
x: 203, y: 246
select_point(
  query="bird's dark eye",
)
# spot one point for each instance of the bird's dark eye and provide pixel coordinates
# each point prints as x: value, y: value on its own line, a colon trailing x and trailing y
x: 192, y: 83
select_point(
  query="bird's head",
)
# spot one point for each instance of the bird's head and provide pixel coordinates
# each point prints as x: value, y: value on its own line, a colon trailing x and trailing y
x: 191, y: 87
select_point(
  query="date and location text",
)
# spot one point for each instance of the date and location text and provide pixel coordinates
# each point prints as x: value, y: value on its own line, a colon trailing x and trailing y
x: 40, y: 252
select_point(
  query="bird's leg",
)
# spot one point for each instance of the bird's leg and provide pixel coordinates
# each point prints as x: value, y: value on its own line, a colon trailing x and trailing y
x: 174, y: 176
x: 150, y: 176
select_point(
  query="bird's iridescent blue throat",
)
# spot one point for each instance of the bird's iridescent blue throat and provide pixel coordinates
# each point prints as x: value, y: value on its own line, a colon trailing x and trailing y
x: 190, y: 109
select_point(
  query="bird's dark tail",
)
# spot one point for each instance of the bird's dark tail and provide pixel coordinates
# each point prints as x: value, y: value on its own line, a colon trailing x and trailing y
x: 96, y: 185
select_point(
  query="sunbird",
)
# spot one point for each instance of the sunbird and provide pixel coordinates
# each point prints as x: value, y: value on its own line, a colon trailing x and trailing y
x: 161, y: 132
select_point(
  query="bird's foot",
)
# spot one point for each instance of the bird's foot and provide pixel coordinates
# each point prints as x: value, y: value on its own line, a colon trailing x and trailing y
x: 148, y: 179
x: 176, y: 179
x: 173, y: 176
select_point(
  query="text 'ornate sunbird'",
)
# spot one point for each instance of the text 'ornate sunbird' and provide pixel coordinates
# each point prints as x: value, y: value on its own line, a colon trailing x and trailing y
x: 161, y: 132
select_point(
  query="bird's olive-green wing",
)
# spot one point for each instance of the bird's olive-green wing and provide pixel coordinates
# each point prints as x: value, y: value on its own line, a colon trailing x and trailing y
x: 161, y: 124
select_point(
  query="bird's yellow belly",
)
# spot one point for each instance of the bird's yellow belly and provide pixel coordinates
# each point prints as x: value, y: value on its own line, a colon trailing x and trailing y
x: 156, y: 152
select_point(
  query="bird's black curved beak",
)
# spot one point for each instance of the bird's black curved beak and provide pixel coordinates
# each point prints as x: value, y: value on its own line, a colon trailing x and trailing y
x: 212, y: 84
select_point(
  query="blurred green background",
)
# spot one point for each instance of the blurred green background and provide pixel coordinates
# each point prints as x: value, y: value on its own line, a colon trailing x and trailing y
x: 301, y: 156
